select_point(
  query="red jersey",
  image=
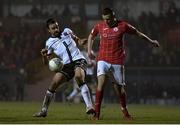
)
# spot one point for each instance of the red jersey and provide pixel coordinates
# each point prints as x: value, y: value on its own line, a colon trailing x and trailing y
x: 111, y: 47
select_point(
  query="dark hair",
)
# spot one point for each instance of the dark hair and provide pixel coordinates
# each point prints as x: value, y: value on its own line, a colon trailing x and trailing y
x: 50, y: 21
x: 107, y: 11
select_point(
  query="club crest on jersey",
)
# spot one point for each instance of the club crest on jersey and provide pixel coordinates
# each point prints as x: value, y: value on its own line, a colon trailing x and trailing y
x: 115, y: 29
x: 104, y: 35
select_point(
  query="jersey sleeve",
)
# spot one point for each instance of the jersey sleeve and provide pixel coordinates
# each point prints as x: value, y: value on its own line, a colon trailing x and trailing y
x: 130, y: 29
x: 95, y: 30
x: 68, y: 31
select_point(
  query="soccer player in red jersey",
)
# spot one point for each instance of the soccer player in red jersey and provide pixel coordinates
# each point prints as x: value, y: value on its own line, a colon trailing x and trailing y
x: 111, y: 55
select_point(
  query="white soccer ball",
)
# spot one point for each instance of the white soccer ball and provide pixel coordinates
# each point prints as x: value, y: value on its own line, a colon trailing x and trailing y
x: 55, y: 65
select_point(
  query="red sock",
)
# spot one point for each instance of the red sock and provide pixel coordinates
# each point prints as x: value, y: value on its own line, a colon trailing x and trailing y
x: 122, y: 99
x: 99, y: 96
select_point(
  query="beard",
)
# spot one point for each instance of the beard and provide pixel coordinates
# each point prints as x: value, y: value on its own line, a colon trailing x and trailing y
x: 57, y: 34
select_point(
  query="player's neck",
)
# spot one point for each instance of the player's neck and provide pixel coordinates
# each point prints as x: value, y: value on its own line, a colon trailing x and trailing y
x: 114, y: 24
x: 56, y: 36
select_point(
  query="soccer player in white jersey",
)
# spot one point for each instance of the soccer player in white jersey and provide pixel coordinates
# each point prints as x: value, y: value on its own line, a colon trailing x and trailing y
x: 63, y: 45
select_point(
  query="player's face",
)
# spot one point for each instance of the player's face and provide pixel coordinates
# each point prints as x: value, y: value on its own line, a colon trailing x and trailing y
x: 54, y: 29
x: 109, y: 19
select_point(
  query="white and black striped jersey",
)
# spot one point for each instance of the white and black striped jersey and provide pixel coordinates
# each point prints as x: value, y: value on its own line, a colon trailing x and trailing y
x: 64, y: 47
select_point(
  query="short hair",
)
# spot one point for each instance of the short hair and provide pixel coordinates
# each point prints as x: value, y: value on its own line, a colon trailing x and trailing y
x: 107, y: 11
x: 50, y: 21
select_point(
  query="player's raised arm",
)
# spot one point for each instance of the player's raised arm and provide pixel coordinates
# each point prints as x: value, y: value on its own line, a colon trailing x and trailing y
x: 155, y: 43
x: 133, y: 30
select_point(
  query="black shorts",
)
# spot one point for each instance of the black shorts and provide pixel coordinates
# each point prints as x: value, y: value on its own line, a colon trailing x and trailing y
x: 68, y: 69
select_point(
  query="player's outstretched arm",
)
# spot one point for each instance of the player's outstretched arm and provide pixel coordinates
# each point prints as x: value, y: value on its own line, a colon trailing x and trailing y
x: 83, y: 41
x: 155, y: 43
x: 78, y: 40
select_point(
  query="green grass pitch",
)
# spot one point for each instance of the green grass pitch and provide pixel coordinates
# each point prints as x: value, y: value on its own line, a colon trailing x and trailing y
x: 63, y: 113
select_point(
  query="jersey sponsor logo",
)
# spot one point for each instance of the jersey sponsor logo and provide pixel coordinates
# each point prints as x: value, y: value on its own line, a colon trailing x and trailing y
x: 105, y: 28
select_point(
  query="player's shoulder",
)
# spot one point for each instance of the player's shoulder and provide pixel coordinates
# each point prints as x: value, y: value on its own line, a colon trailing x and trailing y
x: 122, y: 22
x: 67, y: 30
x: 100, y: 23
x: 50, y: 40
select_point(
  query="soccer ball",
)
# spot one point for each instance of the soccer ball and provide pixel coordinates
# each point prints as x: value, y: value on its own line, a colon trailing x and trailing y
x: 55, y: 65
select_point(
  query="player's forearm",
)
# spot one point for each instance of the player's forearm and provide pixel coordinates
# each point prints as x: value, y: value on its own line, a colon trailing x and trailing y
x: 90, y: 43
x: 75, y: 38
x: 143, y: 36
x: 44, y: 55
x: 80, y: 41
x: 44, y: 60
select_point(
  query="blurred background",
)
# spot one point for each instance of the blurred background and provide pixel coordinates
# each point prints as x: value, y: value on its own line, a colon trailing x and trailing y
x: 152, y: 75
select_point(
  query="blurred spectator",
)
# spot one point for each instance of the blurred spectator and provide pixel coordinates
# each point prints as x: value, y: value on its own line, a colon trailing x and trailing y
x: 4, y: 92
x: 20, y: 84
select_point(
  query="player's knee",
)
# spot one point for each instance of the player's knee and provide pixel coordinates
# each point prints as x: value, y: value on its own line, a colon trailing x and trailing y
x: 58, y: 79
x: 78, y: 77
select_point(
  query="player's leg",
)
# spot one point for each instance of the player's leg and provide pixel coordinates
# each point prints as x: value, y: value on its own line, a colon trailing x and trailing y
x: 74, y: 92
x: 58, y: 79
x: 85, y: 92
x: 80, y: 74
x: 90, y: 80
x: 102, y: 69
x: 99, y: 95
x: 119, y: 85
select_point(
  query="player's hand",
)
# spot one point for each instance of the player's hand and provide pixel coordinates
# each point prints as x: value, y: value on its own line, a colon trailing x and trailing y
x: 83, y: 41
x: 155, y: 43
x: 44, y: 52
x: 91, y: 55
